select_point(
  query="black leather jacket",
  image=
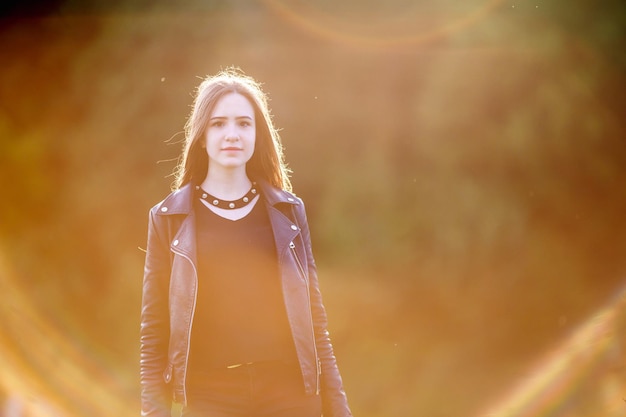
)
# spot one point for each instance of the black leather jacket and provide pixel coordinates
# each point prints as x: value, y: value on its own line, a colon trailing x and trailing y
x: 169, y: 298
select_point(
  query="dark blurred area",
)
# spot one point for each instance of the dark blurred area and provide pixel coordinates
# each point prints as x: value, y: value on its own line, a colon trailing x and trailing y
x: 463, y: 164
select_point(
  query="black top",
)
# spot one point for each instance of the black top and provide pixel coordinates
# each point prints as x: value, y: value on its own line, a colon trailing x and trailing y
x: 240, y: 313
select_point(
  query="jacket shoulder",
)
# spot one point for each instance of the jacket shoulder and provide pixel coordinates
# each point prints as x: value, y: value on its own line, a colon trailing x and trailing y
x: 176, y: 202
x: 277, y: 196
x: 293, y: 197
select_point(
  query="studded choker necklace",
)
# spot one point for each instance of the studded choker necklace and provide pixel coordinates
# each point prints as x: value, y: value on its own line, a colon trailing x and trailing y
x: 226, y: 204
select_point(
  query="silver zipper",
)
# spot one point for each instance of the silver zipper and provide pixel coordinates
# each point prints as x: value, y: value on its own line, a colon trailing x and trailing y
x: 193, y: 310
x: 292, y: 246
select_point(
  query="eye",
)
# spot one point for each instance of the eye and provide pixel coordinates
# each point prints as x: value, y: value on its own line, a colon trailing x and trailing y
x: 245, y: 123
x: 217, y: 123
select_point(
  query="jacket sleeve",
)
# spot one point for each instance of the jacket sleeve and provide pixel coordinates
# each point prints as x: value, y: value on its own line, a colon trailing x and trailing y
x: 334, y: 400
x: 154, y: 334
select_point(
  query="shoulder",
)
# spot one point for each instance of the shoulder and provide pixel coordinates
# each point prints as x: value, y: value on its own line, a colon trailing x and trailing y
x: 176, y: 202
x: 275, y: 195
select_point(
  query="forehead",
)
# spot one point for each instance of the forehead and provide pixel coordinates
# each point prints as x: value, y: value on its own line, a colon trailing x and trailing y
x: 233, y: 104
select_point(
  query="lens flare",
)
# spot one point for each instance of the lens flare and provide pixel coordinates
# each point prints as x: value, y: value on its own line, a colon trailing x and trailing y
x: 410, y: 27
x: 44, y: 369
x: 559, y: 383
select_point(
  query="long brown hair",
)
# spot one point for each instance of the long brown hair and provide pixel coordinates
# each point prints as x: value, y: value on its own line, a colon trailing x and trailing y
x: 266, y: 163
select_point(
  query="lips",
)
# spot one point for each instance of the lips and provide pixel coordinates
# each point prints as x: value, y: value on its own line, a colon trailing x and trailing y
x: 232, y: 149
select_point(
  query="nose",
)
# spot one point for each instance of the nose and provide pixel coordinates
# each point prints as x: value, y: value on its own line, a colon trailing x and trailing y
x: 232, y: 135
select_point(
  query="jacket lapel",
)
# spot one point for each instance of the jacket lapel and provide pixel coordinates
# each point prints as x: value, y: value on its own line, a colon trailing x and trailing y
x: 178, y: 206
x: 280, y: 210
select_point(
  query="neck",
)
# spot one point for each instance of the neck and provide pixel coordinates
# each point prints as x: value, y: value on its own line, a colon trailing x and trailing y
x: 228, y: 185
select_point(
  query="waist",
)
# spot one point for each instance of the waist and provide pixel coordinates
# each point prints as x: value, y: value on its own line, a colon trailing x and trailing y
x: 198, y: 378
x: 259, y: 364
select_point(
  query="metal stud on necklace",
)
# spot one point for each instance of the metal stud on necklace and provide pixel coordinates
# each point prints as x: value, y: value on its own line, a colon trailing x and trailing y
x: 229, y: 204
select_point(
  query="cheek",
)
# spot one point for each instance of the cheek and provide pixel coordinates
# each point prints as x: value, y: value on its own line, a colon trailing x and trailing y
x: 253, y: 144
x: 209, y: 141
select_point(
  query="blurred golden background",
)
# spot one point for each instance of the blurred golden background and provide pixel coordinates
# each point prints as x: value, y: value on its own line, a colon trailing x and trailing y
x: 463, y: 165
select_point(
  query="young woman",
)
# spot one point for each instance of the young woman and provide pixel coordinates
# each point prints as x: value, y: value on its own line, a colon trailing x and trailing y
x: 232, y: 320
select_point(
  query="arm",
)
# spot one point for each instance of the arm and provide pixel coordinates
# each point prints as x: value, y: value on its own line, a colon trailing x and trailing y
x: 334, y: 401
x: 154, y: 334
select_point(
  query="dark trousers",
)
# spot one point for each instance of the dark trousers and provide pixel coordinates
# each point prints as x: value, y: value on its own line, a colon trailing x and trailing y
x: 266, y: 389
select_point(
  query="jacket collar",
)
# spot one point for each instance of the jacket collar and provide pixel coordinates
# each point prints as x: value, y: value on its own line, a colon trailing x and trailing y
x: 181, y: 201
x: 178, y: 201
x: 275, y: 196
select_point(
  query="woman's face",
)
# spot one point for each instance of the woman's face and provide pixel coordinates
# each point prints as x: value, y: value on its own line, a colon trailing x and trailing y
x: 231, y: 134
